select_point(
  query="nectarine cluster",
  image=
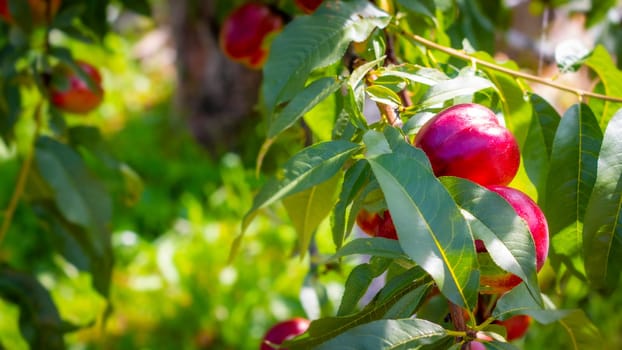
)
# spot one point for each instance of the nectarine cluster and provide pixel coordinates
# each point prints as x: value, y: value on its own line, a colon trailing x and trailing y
x: 467, y: 141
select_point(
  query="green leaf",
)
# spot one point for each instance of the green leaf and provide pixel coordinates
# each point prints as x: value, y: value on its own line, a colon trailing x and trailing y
x: 355, y: 179
x: 574, y: 157
x: 307, y: 209
x: 449, y: 89
x: 414, y: 74
x: 519, y: 301
x: 376, y: 246
x: 430, y: 227
x: 387, y: 334
x: 494, y: 221
x: 602, y: 229
x: 383, y: 94
x: 39, y: 319
x: 598, y: 11
x: 324, y: 329
x: 358, y: 282
x: 600, y: 61
x: 80, y: 198
x: 581, y: 333
x: 539, y: 143
x: 310, y: 167
x: 141, y: 7
x: 570, y: 55
x: 315, y: 41
x: 516, y: 109
x: 302, y: 103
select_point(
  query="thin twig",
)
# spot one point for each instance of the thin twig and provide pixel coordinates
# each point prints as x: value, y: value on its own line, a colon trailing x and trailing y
x: 465, y: 56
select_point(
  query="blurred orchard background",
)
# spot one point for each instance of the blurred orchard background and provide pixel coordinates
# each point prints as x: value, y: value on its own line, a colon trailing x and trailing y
x: 182, y: 119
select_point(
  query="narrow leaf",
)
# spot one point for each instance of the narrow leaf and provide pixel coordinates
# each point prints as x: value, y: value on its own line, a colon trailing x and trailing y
x: 430, y: 227
x: 376, y: 246
x: 388, y: 334
x: 313, y: 94
x: 354, y: 180
x: 315, y: 41
x: 539, y: 143
x: 449, y: 89
x: 39, y: 319
x: 574, y: 157
x: 602, y: 229
x: 494, y: 221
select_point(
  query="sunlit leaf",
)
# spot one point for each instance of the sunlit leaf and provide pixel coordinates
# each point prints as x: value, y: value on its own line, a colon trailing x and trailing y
x: 574, y: 159
x: 449, y: 89
x: 570, y: 55
x: 383, y: 94
x: 308, y: 168
x: 601, y: 62
x: 494, y: 221
x: 315, y: 41
x: 307, y: 209
x: 430, y: 227
x: 602, y: 229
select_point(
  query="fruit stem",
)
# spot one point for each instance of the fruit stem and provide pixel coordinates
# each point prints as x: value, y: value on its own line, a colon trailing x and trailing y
x: 22, y: 176
x: 465, y: 56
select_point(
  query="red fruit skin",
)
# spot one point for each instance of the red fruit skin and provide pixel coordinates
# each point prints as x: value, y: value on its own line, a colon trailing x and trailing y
x: 529, y: 211
x: 376, y: 225
x: 475, y: 345
x: 283, y: 331
x: 516, y: 326
x: 78, y: 98
x: 466, y: 140
x: 244, y: 30
x: 308, y: 6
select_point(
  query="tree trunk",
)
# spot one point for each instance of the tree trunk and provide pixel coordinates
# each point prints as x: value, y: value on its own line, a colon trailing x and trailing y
x: 215, y: 94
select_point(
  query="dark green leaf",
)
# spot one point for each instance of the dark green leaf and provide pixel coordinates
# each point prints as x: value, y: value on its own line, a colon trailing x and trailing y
x: 324, y: 329
x: 357, y: 283
x: 141, y: 7
x: 39, y: 319
x: 310, y: 42
x: 308, y: 168
x: 354, y: 179
x: 313, y: 94
x: 80, y: 198
x: 494, y: 221
x: 539, y: 144
x: 430, y: 227
x: 570, y: 55
x: 574, y: 157
x: 519, y: 301
x: 602, y: 229
x: 376, y: 246
x: 387, y: 334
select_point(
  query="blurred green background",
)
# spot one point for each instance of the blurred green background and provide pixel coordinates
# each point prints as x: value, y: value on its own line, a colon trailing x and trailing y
x: 173, y: 287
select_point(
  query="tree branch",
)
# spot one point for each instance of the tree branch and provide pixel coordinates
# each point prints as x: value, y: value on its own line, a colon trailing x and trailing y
x: 465, y: 56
